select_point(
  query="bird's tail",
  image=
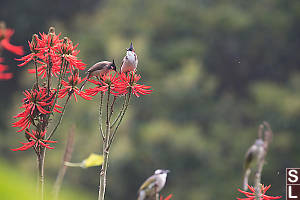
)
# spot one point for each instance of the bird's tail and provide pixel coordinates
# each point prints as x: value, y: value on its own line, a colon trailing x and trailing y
x: 82, y: 86
x: 246, y: 177
x: 142, y: 195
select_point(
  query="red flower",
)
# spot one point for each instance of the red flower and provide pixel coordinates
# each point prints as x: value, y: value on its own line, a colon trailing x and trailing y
x: 74, y: 62
x: 251, y: 195
x: 36, y: 102
x: 69, y: 52
x: 44, y: 50
x: 5, y: 35
x: 35, y: 140
x: 71, y: 87
x: 130, y: 81
x: 49, y: 42
x: 106, y: 81
x: 49, y: 48
x: 167, y: 198
x: 4, y: 76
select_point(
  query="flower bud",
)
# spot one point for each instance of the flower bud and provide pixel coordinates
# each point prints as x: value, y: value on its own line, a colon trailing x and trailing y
x: 51, y: 30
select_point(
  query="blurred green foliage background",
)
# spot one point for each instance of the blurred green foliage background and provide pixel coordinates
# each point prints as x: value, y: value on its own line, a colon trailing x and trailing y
x: 218, y: 69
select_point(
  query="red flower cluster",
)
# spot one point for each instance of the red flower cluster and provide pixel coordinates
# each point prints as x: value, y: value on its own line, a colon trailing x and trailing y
x: 35, y: 140
x: 52, y: 56
x: 167, y: 198
x: 3, y: 75
x: 37, y: 102
x: 5, y: 35
x: 119, y: 84
x: 71, y: 88
x: 106, y: 81
x: 50, y: 50
x: 129, y: 83
x: 251, y: 195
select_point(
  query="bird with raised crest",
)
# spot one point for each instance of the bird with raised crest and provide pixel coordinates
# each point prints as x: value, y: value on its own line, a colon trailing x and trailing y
x: 153, y: 185
x: 130, y: 61
x: 99, y: 69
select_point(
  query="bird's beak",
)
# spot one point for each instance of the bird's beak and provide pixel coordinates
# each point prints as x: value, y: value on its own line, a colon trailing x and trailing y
x: 130, y: 48
x: 167, y: 171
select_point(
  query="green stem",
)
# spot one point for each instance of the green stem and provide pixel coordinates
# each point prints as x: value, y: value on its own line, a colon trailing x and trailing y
x: 102, y: 184
x: 111, y: 139
x: 41, y: 159
x: 36, y: 73
x: 60, y: 117
x: 41, y: 155
x: 63, y: 68
x: 100, y: 116
x: 49, y: 73
x: 120, y: 114
x: 112, y: 107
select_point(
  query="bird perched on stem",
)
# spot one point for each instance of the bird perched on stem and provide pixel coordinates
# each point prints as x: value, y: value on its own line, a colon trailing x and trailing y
x: 153, y: 185
x: 99, y: 69
x: 252, y: 157
x: 130, y: 61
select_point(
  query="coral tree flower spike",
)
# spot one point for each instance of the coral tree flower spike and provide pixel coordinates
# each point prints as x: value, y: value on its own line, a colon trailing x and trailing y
x: 49, y: 48
x: 130, y: 81
x: 104, y: 82
x: 35, y: 140
x: 251, y: 195
x: 71, y: 87
x: 36, y: 102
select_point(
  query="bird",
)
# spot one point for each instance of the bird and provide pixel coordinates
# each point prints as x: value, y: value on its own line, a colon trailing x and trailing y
x: 99, y: 69
x: 252, y: 157
x: 153, y: 185
x: 130, y: 61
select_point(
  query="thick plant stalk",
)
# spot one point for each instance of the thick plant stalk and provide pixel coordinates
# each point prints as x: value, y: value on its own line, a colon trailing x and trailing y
x: 109, y: 135
x: 42, y: 153
x: 102, y: 184
x: 41, y: 159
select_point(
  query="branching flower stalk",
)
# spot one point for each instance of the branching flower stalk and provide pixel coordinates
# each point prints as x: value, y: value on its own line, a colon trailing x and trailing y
x: 117, y: 86
x: 108, y: 138
x: 53, y: 58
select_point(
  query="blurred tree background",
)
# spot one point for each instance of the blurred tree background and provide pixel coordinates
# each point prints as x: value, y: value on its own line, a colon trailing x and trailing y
x: 218, y: 69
